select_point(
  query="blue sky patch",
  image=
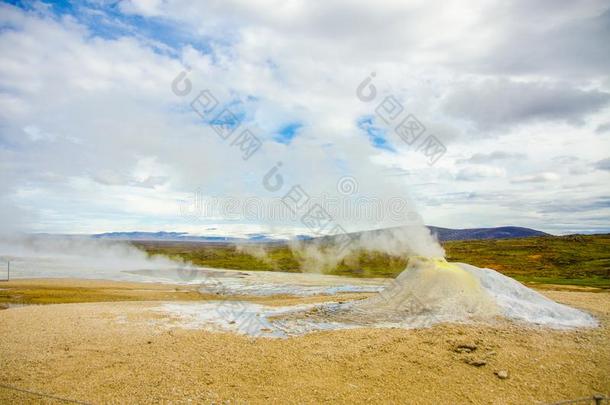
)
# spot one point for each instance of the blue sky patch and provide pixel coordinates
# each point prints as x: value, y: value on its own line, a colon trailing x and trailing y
x: 377, y: 135
x: 288, y: 132
x: 106, y: 21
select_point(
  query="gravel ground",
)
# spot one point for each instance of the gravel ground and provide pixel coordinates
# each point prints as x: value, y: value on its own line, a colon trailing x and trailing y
x: 123, y: 352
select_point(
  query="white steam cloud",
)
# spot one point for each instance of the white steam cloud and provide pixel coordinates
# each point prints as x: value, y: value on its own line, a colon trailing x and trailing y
x: 77, y: 257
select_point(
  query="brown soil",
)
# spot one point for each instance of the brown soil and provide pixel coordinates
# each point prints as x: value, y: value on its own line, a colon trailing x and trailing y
x: 117, y: 352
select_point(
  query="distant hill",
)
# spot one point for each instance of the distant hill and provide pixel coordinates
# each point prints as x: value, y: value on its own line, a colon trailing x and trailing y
x: 447, y: 234
x: 167, y: 236
x: 502, y: 232
x: 443, y: 234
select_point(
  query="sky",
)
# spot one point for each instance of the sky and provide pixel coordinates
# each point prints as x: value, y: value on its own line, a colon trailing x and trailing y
x: 137, y: 114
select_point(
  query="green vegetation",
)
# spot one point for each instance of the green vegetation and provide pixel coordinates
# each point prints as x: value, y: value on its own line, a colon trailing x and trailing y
x: 27, y: 292
x: 227, y: 256
x: 574, y: 260
x: 273, y: 257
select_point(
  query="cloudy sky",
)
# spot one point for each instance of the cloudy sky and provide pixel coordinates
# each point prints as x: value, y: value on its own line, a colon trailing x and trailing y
x: 94, y: 137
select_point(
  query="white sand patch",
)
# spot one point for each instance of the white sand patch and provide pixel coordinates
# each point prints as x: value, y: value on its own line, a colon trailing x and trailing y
x: 263, y: 283
x: 231, y: 316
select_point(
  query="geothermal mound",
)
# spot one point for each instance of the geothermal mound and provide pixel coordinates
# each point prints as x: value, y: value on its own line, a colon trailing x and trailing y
x: 431, y: 290
x: 428, y: 291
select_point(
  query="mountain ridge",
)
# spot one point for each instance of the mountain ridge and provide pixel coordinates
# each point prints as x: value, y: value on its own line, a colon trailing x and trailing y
x: 443, y: 234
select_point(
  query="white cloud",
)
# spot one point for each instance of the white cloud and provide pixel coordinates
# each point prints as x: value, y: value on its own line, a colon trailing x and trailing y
x: 89, y: 121
x: 537, y: 178
x: 480, y: 172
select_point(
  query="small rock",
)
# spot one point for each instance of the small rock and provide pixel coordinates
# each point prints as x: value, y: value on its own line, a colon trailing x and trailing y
x: 502, y: 374
x: 465, y: 348
x: 475, y: 362
x: 231, y: 322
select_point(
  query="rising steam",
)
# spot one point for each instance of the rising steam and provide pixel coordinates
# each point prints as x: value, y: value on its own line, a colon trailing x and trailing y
x: 326, y: 253
x: 77, y: 257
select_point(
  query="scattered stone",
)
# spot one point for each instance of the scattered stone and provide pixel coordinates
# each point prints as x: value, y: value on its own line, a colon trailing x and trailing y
x: 231, y: 322
x: 465, y: 348
x: 475, y: 362
x: 502, y: 374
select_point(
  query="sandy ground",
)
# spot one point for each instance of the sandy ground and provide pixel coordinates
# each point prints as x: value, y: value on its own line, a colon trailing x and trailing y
x: 123, y: 352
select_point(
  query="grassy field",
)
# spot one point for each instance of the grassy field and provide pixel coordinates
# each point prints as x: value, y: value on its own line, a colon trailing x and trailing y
x: 60, y: 291
x: 573, y: 260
